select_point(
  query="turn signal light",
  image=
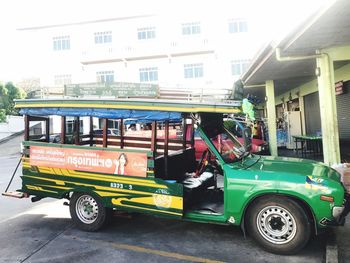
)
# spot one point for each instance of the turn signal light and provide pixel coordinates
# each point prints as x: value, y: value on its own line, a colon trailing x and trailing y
x: 327, y: 198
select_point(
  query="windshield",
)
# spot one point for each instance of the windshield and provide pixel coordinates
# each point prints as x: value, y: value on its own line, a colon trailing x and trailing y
x: 228, y: 146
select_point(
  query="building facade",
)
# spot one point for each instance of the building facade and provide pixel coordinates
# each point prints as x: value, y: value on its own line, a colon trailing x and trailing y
x: 205, y: 54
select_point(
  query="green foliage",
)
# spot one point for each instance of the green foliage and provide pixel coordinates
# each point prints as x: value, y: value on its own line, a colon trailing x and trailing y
x: 8, y: 94
x: 2, y: 115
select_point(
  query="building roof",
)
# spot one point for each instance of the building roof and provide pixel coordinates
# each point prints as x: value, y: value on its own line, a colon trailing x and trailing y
x: 327, y: 28
x: 84, y: 22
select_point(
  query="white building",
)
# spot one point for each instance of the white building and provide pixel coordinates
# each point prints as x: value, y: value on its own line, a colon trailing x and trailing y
x: 203, y: 53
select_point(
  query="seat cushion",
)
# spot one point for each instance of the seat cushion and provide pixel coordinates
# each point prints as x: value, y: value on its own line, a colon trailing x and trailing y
x: 195, y: 182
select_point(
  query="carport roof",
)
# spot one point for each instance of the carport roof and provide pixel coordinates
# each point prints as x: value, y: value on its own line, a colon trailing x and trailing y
x: 329, y: 27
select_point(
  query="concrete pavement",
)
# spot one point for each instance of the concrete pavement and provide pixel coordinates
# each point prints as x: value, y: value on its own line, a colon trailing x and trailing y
x: 11, y: 147
x: 343, y: 241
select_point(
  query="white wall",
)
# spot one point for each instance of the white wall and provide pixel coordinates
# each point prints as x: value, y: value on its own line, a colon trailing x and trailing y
x: 169, y: 41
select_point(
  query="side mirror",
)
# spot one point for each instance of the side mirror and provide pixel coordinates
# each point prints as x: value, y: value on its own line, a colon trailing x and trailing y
x: 247, y: 136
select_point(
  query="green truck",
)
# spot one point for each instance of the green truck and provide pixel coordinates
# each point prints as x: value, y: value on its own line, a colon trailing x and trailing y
x: 279, y: 202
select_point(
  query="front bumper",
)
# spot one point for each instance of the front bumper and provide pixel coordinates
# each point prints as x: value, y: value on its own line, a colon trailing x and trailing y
x: 340, y: 212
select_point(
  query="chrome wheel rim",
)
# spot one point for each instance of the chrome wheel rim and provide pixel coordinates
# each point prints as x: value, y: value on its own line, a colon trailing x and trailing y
x: 276, y: 224
x: 87, y: 209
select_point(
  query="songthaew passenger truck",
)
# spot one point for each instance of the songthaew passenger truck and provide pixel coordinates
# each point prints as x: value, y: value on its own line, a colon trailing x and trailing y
x: 279, y: 202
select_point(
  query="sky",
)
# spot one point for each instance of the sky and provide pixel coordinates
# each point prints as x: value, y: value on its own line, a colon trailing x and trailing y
x: 281, y: 15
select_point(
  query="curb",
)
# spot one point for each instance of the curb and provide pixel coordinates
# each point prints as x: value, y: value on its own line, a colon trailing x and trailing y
x: 332, y: 254
x: 11, y: 136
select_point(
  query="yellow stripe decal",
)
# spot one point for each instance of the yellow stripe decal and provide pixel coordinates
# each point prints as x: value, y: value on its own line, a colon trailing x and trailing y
x: 104, y: 194
x: 96, y: 186
x: 38, y: 188
x: 59, y: 182
x: 82, y: 175
x: 116, y: 178
x: 176, y: 202
x: 118, y: 203
x: 56, y: 186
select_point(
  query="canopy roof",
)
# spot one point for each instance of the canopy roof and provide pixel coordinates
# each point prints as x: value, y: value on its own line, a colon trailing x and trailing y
x: 327, y: 28
x: 121, y: 109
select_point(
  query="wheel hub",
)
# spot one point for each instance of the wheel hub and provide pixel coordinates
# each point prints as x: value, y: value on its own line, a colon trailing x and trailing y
x: 276, y: 224
x: 86, y: 209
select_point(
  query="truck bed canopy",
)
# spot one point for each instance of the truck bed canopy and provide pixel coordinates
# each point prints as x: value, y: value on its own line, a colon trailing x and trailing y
x: 139, y: 115
x: 147, y: 110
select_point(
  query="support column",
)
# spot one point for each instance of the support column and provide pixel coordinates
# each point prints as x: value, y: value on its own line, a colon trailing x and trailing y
x: 271, y: 116
x: 91, y: 130
x: 154, y: 139
x: 26, y: 127
x: 121, y: 132
x: 328, y: 110
x: 105, y: 133
x: 77, y: 131
x: 166, y: 148
x: 302, y: 115
x: 47, y: 129
x: 63, y: 129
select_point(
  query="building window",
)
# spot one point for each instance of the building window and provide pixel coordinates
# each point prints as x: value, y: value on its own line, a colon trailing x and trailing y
x: 103, y: 37
x: 237, y: 26
x: 193, y: 70
x: 146, y: 33
x: 191, y: 28
x: 61, y: 43
x: 239, y: 66
x: 148, y: 74
x: 105, y: 76
x: 63, y: 79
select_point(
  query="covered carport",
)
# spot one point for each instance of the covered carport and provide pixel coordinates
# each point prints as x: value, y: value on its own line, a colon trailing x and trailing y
x: 310, y: 59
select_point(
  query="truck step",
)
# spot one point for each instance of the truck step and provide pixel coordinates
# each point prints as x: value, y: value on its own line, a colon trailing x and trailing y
x: 15, y: 194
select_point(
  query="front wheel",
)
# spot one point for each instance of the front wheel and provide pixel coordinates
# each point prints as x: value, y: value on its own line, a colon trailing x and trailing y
x: 88, y: 212
x: 278, y: 224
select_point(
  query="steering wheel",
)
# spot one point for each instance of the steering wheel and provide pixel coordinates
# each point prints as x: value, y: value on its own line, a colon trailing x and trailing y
x: 203, y: 162
x: 229, y: 155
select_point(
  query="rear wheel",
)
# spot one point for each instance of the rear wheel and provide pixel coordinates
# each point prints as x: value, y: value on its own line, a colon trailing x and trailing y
x: 88, y: 212
x: 278, y: 224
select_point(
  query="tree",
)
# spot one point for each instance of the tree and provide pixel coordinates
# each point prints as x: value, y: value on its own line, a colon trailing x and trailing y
x: 2, y: 115
x: 8, y: 94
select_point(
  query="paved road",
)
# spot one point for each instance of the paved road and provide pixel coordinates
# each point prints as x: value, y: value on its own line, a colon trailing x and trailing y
x: 10, y: 206
x: 11, y: 147
x: 43, y: 232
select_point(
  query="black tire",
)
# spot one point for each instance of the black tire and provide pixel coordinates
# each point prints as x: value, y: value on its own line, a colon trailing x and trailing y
x: 88, y: 212
x: 278, y: 224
